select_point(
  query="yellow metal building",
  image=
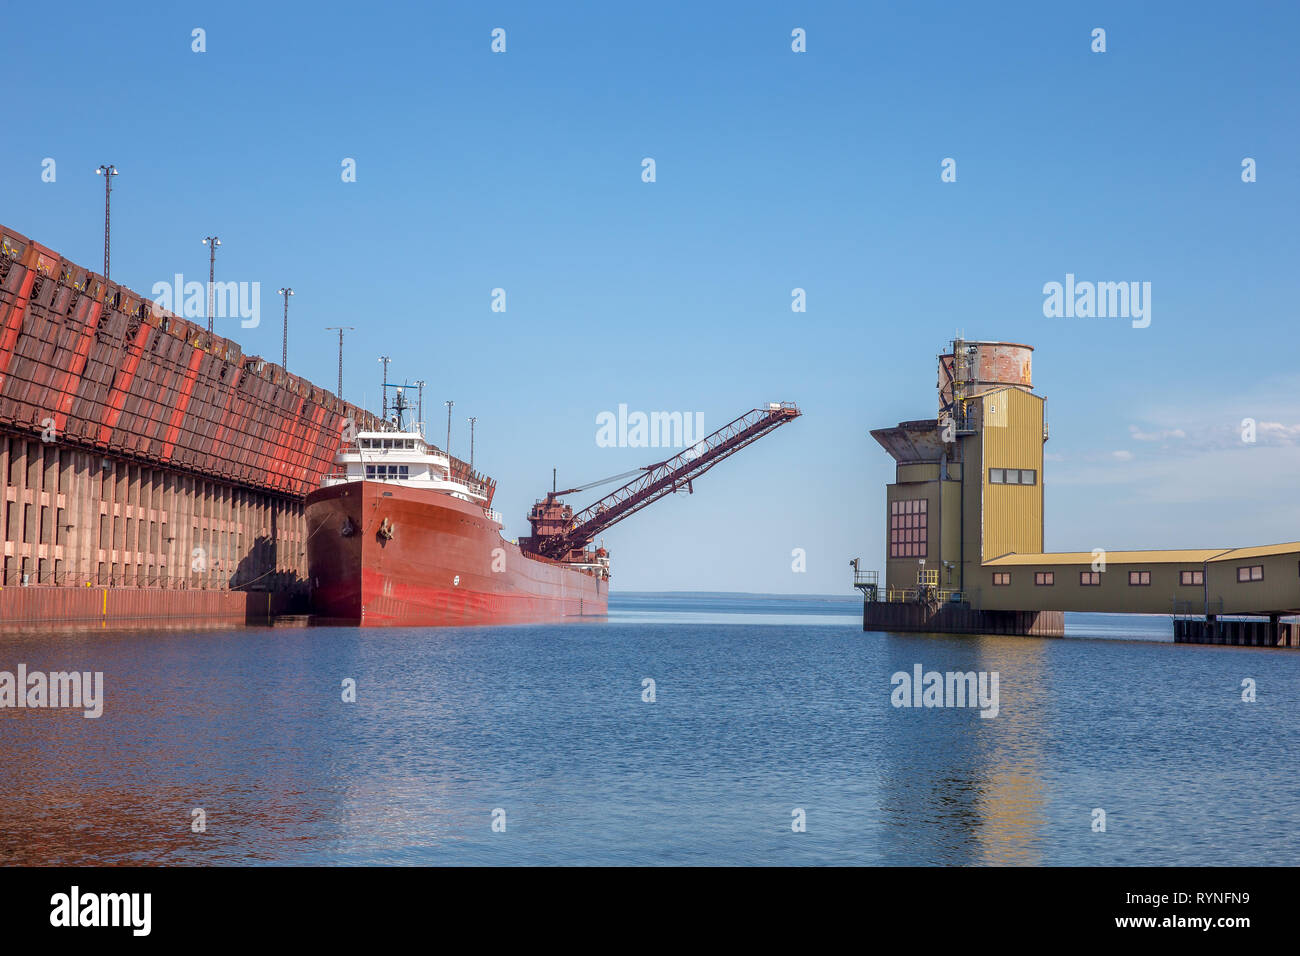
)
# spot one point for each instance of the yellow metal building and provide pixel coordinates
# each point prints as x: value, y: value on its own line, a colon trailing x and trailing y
x: 964, y: 517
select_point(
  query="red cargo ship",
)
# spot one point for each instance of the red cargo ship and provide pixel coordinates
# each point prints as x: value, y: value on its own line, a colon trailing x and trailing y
x: 400, y: 538
x: 404, y: 534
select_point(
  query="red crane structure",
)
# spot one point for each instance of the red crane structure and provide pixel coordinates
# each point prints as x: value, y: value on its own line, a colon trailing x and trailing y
x: 563, y: 535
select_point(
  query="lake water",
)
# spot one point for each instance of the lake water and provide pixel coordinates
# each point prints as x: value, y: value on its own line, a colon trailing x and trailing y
x: 763, y: 707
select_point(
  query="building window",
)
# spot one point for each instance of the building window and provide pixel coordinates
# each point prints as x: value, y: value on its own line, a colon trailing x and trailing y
x: 1253, y: 572
x: 1046, y: 578
x: 908, y: 527
x: 1191, y: 578
x: 1139, y: 578
x: 1001, y: 578
x: 1013, y: 476
x: 1090, y: 578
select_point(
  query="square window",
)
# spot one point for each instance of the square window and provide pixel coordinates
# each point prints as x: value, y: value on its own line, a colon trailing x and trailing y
x: 1090, y: 578
x: 1045, y: 578
x: 997, y: 476
x: 1001, y: 578
x: 1191, y: 578
x: 1139, y: 578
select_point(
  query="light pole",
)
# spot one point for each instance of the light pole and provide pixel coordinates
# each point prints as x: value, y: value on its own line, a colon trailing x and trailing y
x: 420, y: 405
x: 108, y: 172
x: 448, y: 403
x: 384, y: 391
x: 211, y: 242
x: 472, y: 419
x: 341, y: 329
x: 284, y: 352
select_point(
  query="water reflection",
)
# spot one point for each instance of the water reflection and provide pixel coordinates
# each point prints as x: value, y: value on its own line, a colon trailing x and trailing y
x: 752, y: 720
x: 961, y: 788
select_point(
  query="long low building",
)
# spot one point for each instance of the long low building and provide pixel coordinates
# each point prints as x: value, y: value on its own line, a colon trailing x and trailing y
x: 964, y: 530
x: 1240, y: 581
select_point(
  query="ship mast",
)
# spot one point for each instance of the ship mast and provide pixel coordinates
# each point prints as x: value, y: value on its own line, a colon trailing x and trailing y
x: 399, y: 404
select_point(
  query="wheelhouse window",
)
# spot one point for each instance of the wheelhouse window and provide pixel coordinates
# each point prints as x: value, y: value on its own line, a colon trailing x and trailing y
x: 908, y: 526
x: 1045, y: 578
x: 1191, y: 578
x: 388, y: 472
x: 1139, y: 578
x: 1090, y: 579
x: 1001, y: 578
x: 1252, y: 572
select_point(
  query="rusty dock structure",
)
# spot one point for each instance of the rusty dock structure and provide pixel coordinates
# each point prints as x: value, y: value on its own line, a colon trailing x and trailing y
x: 150, y: 470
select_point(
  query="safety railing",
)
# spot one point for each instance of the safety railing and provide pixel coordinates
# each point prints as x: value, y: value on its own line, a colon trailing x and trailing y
x: 915, y: 595
x: 206, y: 581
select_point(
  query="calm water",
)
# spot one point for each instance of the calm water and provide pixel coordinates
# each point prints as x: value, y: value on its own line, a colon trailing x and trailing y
x: 763, y: 706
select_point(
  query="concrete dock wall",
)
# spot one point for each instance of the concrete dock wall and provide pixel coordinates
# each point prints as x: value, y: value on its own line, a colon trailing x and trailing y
x: 959, y: 619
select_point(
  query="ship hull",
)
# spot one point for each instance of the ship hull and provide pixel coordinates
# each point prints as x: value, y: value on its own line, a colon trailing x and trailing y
x: 444, y: 565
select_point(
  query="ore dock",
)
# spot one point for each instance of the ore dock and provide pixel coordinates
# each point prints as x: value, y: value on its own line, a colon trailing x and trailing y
x: 151, y: 470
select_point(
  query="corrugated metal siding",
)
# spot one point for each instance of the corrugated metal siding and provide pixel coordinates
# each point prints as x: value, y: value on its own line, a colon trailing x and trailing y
x: 1278, y: 592
x: 950, y: 528
x: 37, y: 605
x: 1012, y: 434
x: 1113, y: 595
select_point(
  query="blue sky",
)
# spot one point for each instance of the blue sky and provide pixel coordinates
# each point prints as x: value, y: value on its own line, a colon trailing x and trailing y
x: 775, y: 170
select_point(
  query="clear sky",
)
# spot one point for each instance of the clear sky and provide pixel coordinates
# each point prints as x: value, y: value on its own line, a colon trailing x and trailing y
x: 775, y: 170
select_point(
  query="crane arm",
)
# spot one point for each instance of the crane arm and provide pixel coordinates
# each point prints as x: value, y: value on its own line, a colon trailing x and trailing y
x: 601, y: 481
x: 666, y: 477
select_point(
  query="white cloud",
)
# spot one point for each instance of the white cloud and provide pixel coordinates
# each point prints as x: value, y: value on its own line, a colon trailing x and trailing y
x: 1138, y: 435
